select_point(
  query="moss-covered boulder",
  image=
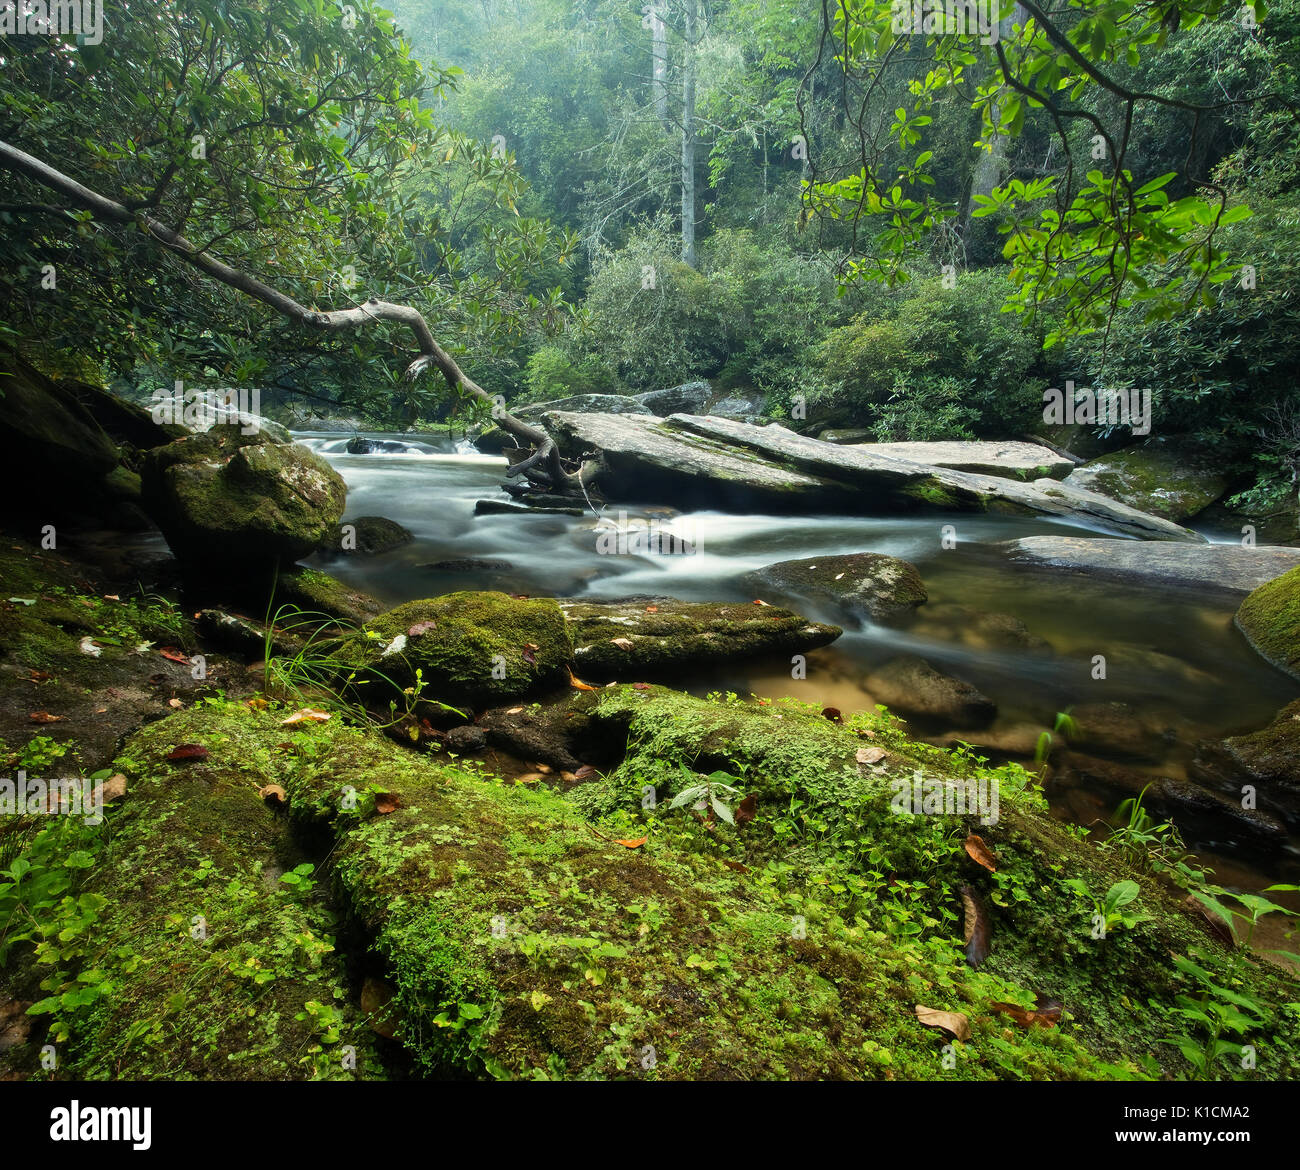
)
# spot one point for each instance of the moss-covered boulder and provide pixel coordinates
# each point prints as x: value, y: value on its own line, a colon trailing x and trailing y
x: 526, y: 934
x: 1173, y: 478
x: 192, y: 958
x: 659, y: 636
x: 53, y: 454
x: 230, y: 503
x: 1270, y: 620
x: 866, y: 585
x: 366, y: 536
x: 1267, y: 760
x: 468, y: 647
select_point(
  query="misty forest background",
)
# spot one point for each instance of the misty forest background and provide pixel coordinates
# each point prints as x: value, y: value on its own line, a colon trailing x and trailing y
x: 519, y: 168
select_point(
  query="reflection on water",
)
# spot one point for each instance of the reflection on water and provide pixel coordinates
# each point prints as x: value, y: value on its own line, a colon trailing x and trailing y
x: 1174, y: 657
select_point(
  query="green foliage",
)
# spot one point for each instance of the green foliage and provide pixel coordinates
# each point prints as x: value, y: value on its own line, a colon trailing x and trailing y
x: 932, y: 362
x: 552, y: 373
x: 1091, y: 235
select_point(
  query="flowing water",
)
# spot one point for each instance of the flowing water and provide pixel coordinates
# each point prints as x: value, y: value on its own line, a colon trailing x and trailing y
x: 1176, y: 658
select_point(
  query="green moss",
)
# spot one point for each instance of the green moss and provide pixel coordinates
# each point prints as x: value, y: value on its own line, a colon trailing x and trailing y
x: 524, y: 940
x: 468, y: 647
x: 208, y: 960
x: 1270, y: 619
x: 317, y: 592
x: 681, y: 635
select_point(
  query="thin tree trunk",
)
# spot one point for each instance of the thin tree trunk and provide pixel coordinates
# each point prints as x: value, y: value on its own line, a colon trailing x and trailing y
x: 688, y: 133
x: 991, y: 163
x: 543, y: 468
x: 659, y: 57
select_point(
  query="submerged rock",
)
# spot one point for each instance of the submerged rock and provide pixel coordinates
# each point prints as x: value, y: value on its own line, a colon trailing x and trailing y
x: 1267, y: 760
x: 649, y: 636
x: 231, y: 504
x: 1212, y: 568
x: 1196, y: 810
x: 366, y: 536
x: 1270, y: 620
x: 866, y: 585
x: 1120, y: 729
x: 912, y: 687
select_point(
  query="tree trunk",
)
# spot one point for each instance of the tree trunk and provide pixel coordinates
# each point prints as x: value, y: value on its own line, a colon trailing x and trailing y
x: 991, y: 163
x: 543, y: 468
x: 688, y: 132
x: 659, y: 60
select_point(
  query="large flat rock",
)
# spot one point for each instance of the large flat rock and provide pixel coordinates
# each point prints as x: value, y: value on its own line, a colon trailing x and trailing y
x: 1212, y: 568
x: 896, y: 484
x: 644, y: 459
x: 985, y: 458
x: 706, y: 461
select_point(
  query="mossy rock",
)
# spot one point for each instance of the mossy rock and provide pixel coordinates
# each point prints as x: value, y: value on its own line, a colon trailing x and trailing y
x: 366, y: 536
x: 1268, y: 760
x: 1172, y: 478
x: 660, y: 636
x: 312, y: 591
x: 210, y: 964
x: 230, y: 503
x: 1270, y: 619
x: 467, y: 647
x: 866, y: 585
x: 521, y: 940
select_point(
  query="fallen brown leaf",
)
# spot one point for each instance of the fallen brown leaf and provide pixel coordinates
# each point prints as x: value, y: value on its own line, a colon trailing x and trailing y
x: 652, y: 609
x: 515, y: 711
x: 173, y: 655
x: 745, y: 810
x: 622, y: 643
x: 631, y: 843
x: 954, y: 1024
x: 114, y: 788
x: 306, y: 715
x: 44, y: 717
x: 736, y: 865
x: 585, y: 772
x: 273, y: 794
x: 577, y: 684
x: 421, y: 628
x: 640, y: 686
x: 387, y: 802
x: 175, y: 703
x: 870, y: 755
x: 1045, y: 1013
x: 979, y: 852
x: 977, y: 927
x: 188, y: 751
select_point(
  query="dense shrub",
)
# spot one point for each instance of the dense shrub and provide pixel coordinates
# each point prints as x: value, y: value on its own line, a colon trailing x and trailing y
x: 927, y: 348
